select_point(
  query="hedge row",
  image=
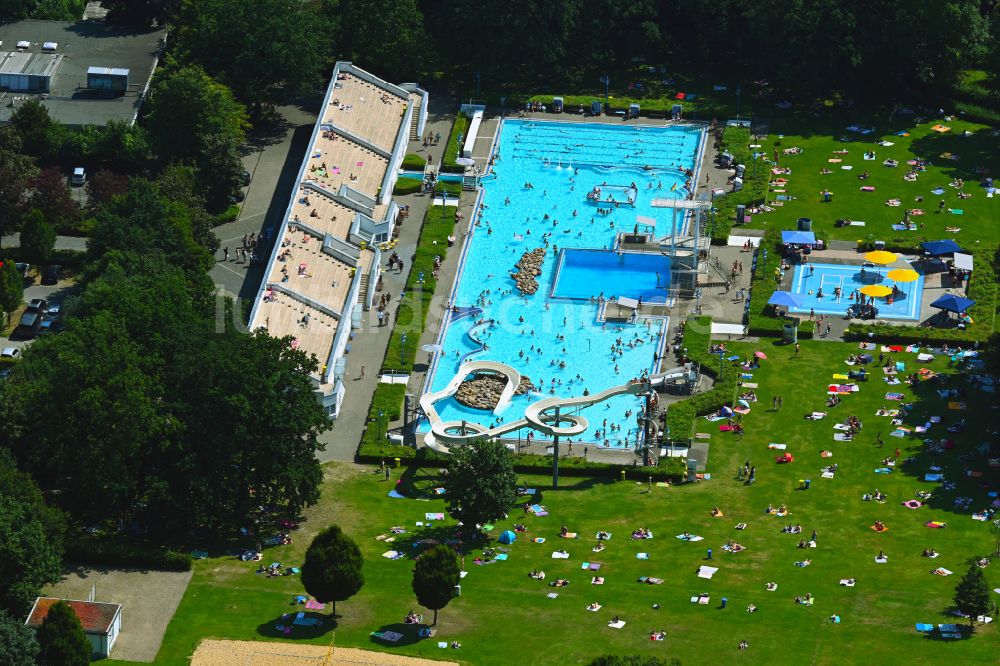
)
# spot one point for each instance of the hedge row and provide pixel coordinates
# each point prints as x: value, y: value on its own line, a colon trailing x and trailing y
x: 439, y: 223
x: 681, y: 416
x: 388, y: 399
x: 982, y: 289
x: 525, y: 463
x: 572, y: 103
x: 452, y: 148
x: 99, y: 551
x: 736, y: 140
x: 407, y: 186
x: 414, y: 162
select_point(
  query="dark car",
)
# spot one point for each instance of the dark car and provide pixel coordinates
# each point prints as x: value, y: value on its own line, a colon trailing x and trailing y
x: 22, y: 268
x: 39, y: 305
x: 245, y: 178
x: 50, y: 274
x: 28, y: 327
x: 51, y: 325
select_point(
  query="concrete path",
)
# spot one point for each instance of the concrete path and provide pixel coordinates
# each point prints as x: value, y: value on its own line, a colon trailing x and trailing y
x: 75, y: 243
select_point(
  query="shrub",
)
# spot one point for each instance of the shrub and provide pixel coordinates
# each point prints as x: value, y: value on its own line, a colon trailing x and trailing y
x: 228, y: 215
x: 388, y: 399
x: 407, y: 186
x: 452, y: 148
x: 736, y: 140
x: 103, y: 551
x: 413, y: 162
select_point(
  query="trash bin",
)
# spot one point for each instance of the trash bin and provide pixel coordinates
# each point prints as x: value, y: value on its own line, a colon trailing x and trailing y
x: 805, y: 224
x: 398, y: 461
x: 724, y: 601
x: 791, y: 333
x: 808, y: 483
x: 709, y: 553
x: 802, y: 483
x: 623, y: 475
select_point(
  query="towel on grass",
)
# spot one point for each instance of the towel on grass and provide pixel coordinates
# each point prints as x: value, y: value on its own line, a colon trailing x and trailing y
x: 933, y: 477
x: 617, y: 625
x: 433, y: 516
x: 642, y: 556
x: 941, y: 571
x: 706, y: 572
x: 881, y: 560
x: 392, y: 555
x: 539, y: 540
x: 777, y: 447
x: 935, y: 524
x: 921, y: 626
x: 701, y: 599
x: 552, y: 595
x: 501, y: 557
x: 847, y: 582
x: 595, y: 608
x: 556, y: 555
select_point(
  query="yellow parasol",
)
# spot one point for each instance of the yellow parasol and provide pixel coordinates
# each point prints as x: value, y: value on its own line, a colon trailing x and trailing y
x: 881, y: 257
x: 903, y: 275
x: 876, y: 290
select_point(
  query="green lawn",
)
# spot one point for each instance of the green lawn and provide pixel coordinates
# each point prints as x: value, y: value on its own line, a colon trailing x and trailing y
x: 503, y: 612
x: 820, y: 137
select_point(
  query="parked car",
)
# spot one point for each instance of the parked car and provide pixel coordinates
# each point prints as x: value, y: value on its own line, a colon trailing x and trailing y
x: 22, y: 268
x: 50, y: 274
x: 51, y: 325
x: 28, y: 327
x: 79, y: 177
x: 245, y: 177
x: 39, y: 305
x: 10, y: 352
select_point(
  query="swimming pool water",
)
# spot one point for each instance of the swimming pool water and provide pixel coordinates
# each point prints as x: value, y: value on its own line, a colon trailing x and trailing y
x: 536, y: 198
x: 808, y: 279
x: 597, y: 273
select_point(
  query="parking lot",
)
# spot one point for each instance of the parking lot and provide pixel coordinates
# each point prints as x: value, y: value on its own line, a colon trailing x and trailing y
x: 54, y: 294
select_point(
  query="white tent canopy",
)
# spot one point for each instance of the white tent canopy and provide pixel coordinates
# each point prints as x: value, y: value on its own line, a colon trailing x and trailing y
x: 963, y: 261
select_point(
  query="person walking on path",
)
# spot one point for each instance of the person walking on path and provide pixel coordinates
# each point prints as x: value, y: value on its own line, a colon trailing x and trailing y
x: 362, y: 372
x: 225, y: 254
x: 779, y: 402
x: 774, y: 404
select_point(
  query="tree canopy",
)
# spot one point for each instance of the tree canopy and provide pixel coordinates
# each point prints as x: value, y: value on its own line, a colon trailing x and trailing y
x: 480, y: 485
x: 61, y: 637
x: 972, y: 593
x: 17, y: 642
x: 38, y: 238
x: 435, y: 576
x: 11, y: 286
x: 27, y: 559
x: 264, y: 50
x: 331, y: 571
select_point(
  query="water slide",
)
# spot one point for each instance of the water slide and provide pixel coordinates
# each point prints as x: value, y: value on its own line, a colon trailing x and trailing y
x: 539, y: 416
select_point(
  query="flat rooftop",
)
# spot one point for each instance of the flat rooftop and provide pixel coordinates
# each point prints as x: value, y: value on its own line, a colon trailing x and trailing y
x: 82, y: 45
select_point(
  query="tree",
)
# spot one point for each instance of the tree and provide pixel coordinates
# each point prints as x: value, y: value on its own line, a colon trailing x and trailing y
x: 61, y: 637
x: 141, y: 13
x: 480, y: 485
x: 382, y: 36
x: 16, y: 171
x: 52, y: 197
x: 188, y: 107
x: 17, y: 9
x: 265, y: 50
x: 17, y: 642
x: 38, y: 238
x: 435, y: 576
x: 972, y: 594
x: 27, y: 559
x: 103, y: 186
x: 59, y: 10
x: 11, y: 286
x: 20, y: 486
x: 41, y: 136
x: 179, y: 183
x: 332, y: 568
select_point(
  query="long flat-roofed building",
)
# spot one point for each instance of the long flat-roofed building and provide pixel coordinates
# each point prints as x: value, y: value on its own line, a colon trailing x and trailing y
x: 322, y: 272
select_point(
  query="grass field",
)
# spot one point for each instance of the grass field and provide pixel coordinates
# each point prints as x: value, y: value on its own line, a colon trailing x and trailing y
x: 502, y: 612
x: 819, y: 138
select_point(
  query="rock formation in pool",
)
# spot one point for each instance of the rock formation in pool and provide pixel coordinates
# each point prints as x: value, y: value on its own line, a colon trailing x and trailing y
x: 529, y: 267
x: 482, y: 390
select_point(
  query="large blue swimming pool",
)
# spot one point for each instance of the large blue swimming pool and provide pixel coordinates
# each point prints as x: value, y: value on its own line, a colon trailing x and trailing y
x: 536, y: 197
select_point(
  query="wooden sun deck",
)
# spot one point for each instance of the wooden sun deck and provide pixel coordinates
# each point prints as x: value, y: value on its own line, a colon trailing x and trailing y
x: 283, y: 316
x: 367, y: 111
x: 330, y: 217
x: 306, y: 269
x: 341, y: 159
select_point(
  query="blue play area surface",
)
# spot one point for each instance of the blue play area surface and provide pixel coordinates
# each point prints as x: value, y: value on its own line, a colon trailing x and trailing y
x: 810, y: 279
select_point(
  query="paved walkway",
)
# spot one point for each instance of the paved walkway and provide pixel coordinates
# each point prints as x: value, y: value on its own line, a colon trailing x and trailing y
x: 75, y: 243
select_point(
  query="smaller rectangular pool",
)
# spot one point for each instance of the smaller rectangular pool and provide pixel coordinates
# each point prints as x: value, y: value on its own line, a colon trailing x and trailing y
x: 810, y: 280
x: 585, y: 274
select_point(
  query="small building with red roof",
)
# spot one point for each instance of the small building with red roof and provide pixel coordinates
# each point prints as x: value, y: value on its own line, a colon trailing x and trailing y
x: 102, y: 622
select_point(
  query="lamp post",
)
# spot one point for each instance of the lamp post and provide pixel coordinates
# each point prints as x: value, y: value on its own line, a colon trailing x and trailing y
x: 402, y: 348
x: 380, y: 415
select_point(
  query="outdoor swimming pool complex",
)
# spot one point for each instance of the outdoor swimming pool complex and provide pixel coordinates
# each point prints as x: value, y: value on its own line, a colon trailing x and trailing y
x: 808, y: 279
x: 536, y: 197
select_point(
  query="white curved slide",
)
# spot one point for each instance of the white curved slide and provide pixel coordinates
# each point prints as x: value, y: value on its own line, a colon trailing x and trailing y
x: 538, y: 416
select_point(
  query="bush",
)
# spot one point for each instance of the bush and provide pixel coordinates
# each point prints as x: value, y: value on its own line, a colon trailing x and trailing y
x: 228, y: 215
x: 407, y: 186
x: 388, y: 399
x: 102, y: 551
x: 413, y: 162
x: 452, y: 148
x: 525, y: 463
x: 736, y: 140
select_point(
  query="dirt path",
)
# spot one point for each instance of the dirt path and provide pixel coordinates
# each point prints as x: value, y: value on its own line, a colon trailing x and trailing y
x: 212, y: 652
